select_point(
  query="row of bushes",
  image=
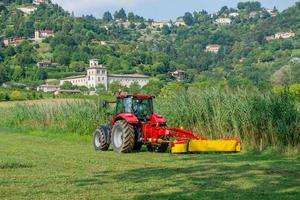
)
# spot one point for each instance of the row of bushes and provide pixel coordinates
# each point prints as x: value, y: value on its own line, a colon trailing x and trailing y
x: 19, y: 96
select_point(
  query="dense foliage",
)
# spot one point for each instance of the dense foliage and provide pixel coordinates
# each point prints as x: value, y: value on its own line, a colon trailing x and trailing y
x: 245, y: 59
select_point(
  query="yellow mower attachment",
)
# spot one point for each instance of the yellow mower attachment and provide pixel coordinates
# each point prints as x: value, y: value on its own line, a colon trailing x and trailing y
x: 194, y: 146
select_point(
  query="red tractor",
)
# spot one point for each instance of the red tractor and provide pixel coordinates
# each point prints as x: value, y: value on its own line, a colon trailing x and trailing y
x: 135, y: 124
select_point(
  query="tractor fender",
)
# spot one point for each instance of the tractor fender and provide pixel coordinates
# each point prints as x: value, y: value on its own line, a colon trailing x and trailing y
x: 128, y: 117
x: 158, y: 119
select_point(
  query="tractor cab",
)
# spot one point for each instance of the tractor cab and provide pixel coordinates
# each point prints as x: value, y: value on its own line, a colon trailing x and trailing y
x: 139, y: 105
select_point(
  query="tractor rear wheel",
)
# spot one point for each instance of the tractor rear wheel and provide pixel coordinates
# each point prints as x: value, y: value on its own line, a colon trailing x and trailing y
x: 100, y: 140
x: 158, y: 148
x: 123, y: 137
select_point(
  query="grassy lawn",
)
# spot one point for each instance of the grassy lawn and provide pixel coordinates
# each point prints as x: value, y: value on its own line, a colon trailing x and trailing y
x: 33, y: 167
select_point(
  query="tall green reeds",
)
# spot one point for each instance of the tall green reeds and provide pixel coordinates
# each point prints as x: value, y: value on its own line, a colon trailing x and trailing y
x: 258, y: 119
x: 80, y: 116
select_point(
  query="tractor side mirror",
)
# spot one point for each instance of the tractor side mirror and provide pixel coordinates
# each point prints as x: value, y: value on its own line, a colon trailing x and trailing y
x: 105, y: 104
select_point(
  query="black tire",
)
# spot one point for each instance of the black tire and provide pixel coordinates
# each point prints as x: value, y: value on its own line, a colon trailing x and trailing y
x: 100, y: 140
x: 123, y: 137
x: 158, y: 148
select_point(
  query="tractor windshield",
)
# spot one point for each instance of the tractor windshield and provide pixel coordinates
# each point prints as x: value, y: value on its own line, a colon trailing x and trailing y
x: 141, y: 108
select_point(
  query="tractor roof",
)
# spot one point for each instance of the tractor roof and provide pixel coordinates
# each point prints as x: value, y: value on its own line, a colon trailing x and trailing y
x: 138, y: 96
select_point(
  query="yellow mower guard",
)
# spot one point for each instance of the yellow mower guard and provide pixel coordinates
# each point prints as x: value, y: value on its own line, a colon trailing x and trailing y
x: 194, y: 146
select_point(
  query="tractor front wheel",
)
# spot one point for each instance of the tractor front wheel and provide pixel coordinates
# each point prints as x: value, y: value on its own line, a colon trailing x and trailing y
x: 100, y: 140
x: 123, y: 137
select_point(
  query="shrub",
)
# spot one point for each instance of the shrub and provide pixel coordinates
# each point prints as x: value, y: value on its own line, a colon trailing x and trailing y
x: 16, y: 96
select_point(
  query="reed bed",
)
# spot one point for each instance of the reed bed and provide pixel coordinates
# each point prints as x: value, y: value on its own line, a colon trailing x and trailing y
x: 75, y: 116
x: 260, y: 120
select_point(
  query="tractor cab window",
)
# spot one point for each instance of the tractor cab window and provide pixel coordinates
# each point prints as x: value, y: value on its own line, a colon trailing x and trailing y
x: 127, y: 105
x: 142, y: 108
x: 124, y: 105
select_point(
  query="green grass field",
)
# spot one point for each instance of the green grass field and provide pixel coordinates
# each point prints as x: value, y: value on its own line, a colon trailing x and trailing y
x: 33, y: 167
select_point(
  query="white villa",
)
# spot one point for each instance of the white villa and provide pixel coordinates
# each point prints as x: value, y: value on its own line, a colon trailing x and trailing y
x: 27, y: 10
x: 42, y: 34
x: 280, y: 35
x: 223, y: 21
x: 160, y: 24
x: 180, y: 22
x: 97, y: 74
x: 213, y: 48
x: 234, y: 14
x: 284, y: 35
x: 38, y: 2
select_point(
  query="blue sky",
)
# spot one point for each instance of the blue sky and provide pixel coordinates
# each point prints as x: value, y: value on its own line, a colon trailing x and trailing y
x: 157, y: 9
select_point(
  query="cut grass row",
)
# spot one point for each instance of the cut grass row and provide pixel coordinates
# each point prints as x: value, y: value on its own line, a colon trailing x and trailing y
x: 34, y: 167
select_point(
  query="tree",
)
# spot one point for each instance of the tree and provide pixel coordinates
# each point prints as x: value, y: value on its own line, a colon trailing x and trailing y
x: 165, y: 30
x: 67, y: 86
x: 115, y: 87
x: 249, y: 6
x: 83, y: 88
x: 5, y: 74
x: 188, y: 18
x: 18, y: 74
x: 131, y: 16
x: 100, y: 89
x: 107, y: 17
x: 153, y: 87
x: 61, y: 54
x: 121, y: 15
x: 224, y: 9
x: 142, y: 26
x: 134, y: 88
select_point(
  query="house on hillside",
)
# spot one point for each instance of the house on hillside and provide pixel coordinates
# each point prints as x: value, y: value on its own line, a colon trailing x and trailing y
x: 253, y: 14
x: 98, y: 75
x: 179, y: 75
x: 27, y: 10
x: 44, y: 64
x: 223, y: 21
x: 42, y: 34
x: 13, y: 41
x: 213, y: 48
x: 269, y: 38
x: 284, y: 35
x: 180, y: 22
x: 38, y: 2
x: 272, y: 12
x: 48, y: 88
x: 160, y: 24
x: 234, y: 14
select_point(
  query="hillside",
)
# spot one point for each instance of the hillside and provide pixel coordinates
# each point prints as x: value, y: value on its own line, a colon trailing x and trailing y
x: 248, y: 46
